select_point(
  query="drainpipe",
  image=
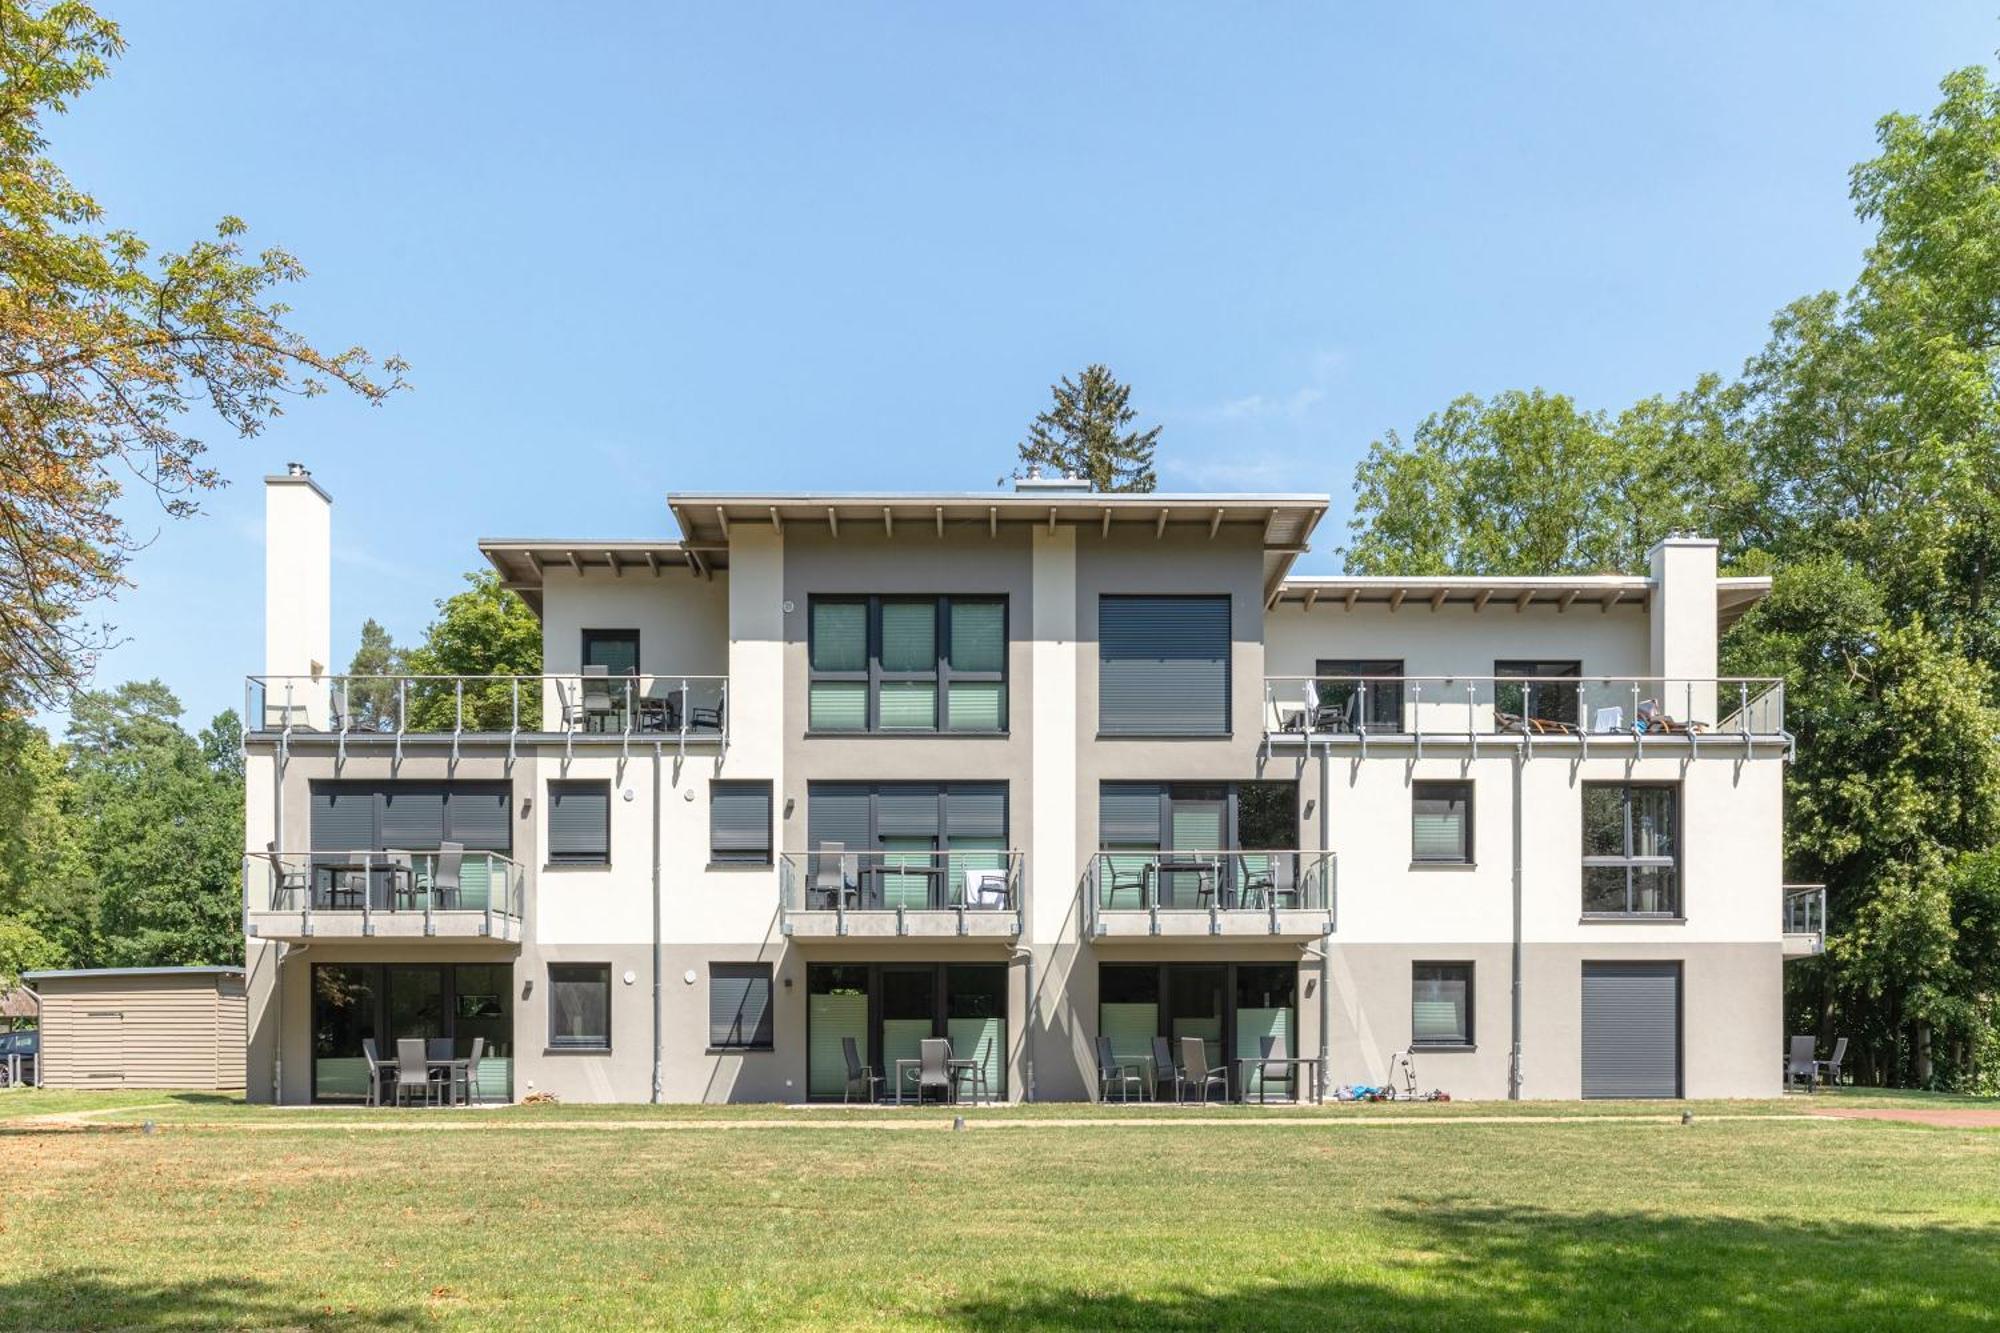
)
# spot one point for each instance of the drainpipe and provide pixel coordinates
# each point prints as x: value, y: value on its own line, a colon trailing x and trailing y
x: 1514, y: 1056
x: 1027, y: 956
x: 278, y: 954
x: 1326, y: 938
x: 658, y: 961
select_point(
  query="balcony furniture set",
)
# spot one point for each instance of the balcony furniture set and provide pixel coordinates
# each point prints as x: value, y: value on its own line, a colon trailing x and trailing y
x: 424, y: 1068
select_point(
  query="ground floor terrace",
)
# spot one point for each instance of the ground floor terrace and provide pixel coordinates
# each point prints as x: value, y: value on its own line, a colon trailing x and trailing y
x: 154, y: 1210
x: 1135, y: 1020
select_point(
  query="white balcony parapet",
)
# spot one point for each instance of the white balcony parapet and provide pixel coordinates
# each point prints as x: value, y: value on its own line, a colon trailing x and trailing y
x: 1575, y: 711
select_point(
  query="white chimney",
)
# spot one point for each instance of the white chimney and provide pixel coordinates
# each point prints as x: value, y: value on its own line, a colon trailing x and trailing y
x: 1684, y: 626
x: 298, y: 597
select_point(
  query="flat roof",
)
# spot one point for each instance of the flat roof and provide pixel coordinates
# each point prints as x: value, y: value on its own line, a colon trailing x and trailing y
x: 61, y: 973
x: 1734, y: 594
x: 521, y: 561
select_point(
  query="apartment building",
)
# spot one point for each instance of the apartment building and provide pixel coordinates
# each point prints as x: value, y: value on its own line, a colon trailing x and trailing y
x: 1022, y: 770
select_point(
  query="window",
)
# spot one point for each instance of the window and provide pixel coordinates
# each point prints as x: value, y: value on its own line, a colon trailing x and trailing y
x: 410, y: 816
x: 579, y: 823
x: 1347, y: 703
x: 1631, y: 850
x: 891, y: 664
x: 616, y: 650
x: 1441, y: 823
x: 912, y: 845
x: 1163, y: 666
x: 580, y: 1006
x: 1527, y: 698
x: 1441, y: 1004
x: 739, y: 822
x: 739, y: 1006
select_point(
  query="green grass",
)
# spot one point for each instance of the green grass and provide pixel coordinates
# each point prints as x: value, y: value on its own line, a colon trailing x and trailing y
x: 236, y: 1216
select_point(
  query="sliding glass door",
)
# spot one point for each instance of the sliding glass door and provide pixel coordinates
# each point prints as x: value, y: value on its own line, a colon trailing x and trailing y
x: 353, y: 1002
x: 889, y: 1009
x: 1251, y: 1002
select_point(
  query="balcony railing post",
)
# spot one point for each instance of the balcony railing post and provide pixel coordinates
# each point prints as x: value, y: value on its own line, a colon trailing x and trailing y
x: 492, y: 869
x: 1417, y: 714
x: 1361, y: 715
x: 430, y: 891
x: 367, y: 893
x: 1743, y: 706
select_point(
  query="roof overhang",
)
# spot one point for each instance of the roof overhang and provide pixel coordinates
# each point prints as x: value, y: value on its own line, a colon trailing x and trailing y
x: 1284, y: 522
x: 1733, y: 596
x: 525, y: 565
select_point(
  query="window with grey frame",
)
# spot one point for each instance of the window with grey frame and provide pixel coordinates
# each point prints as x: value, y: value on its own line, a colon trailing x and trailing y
x: 1631, y: 849
x: 580, y: 1006
x: 1359, y: 694
x: 1441, y: 823
x: 739, y: 822
x: 739, y: 1007
x: 616, y: 650
x: 579, y: 823
x: 907, y: 664
x: 1163, y: 665
x: 1440, y: 1004
x: 1521, y: 693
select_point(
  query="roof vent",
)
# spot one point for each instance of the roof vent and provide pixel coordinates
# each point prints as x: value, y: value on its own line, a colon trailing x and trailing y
x: 296, y: 470
x: 1062, y: 484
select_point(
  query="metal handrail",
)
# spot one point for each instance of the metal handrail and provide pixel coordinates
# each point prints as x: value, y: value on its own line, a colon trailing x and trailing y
x: 312, y: 882
x: 1805, y: 909
x: 1471, y: 707
x: 1222, y: 881
x: 647, y: 707
x: 880, y: 880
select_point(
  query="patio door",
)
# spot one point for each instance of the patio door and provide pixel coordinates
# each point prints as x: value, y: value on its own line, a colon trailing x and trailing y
x: 889, y: 1009
x: 352, y: 1002
x: 1244, y: 1002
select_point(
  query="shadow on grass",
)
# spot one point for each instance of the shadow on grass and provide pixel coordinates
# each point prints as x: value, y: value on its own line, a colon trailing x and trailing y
x: 92, y: 1298
x: 1445, y: 1266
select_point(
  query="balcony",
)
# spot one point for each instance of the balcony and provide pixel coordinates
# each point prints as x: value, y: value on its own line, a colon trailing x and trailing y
x: 1193, y: 893
x: 591, y: 709
x: 1565, y: 714
x: 885, y: 894
x: 1805, y: 920
x: 390, y: 894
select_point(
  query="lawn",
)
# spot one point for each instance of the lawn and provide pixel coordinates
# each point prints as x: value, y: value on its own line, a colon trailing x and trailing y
x: 224, y: 1215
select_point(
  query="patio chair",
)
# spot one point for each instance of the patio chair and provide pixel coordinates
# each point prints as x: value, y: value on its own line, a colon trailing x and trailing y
x: 857, y: 1073
x: 986, y: 889
x: 469, y: 1080
x: 284, y: 883
x: 595, y: 695
x: 1271, y: 877
x: 1800, y: 1064
x: 445, y: 874
x: 1124, y: 874
x: 1110, y: 1073
x: 412, y: 1072
x: 374, y: 1071
x: 706, y: 719
x: 1164, y: 1072
x: 1828, y: 1071
x: 834, y: 881
x: 975, y: 1073
x: 934, y: 1069
x: 1195, y: 1073
x: 1608, y: 719
x: 1273, y: 1069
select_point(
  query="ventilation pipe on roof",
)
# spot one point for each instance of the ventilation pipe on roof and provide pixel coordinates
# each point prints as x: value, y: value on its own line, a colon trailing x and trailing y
x: 1037, y: 484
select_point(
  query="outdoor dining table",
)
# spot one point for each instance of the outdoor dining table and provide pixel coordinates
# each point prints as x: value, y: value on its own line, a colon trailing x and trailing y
x: 953, y: 1067
x: 1244, y: 1062
x: 1204, y: 869
x: 452, y: 1069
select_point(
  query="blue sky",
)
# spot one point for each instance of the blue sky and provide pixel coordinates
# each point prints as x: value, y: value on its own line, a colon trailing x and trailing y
x: 631, y: 249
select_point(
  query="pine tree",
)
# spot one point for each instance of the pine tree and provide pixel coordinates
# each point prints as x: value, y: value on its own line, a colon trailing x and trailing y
x: 1084, y: 434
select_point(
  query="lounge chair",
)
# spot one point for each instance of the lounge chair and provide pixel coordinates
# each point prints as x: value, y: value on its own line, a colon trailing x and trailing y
x: 858, y: 1074
x: 412, y: 1070
x: 1536, y: 726
x: 1195, y: 1073
x: 1164, y: 1073
x: 1828, y: 1071
x: 934, y: 1069
x: 1801, y: 1065
x: 1651, y: 719
x: 1111, y: 1073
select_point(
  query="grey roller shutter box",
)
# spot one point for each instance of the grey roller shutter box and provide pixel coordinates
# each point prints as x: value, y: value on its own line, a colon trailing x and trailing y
x: 1631, y: 1030
x: 1128, y: 814
x: 739, y: 821
x: 480, y: 815
x: 739, y: 1004
x: 412, y: 815
x: 838, y: 812
x: 976, y: 811
x: 1163, y: 666
x: 343, y: 817
x: 579, y: 815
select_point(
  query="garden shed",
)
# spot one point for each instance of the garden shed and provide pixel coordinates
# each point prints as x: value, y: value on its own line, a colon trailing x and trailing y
x: 142, y: 1027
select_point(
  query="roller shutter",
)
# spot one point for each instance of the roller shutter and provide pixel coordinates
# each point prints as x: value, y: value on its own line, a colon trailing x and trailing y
x: 1631, y: 1029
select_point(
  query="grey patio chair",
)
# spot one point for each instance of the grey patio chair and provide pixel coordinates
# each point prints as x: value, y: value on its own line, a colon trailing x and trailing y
x: 1273, y: 1068
x: 412, y: 1071
x: 1164, y: 1072
x: 706, y: 719
x: 1195, y: 1073
x: 469, y: 1080
x: 1828, y: 1071
x: 374, y: 1071
x: 595, y: 692
x: 1271, y: 878
x: 1800, y: 1064
x: 287, y: 886
x: 1111, y: 1073
x: 1124, y: 872
x: 834, y: 880
x: 858, y: 1074
x: 445, y: 874
x: 934, y: 1069
x: 975, y: 1073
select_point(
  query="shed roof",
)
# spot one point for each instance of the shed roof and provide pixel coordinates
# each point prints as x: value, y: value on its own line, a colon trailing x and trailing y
x: 61, y: 974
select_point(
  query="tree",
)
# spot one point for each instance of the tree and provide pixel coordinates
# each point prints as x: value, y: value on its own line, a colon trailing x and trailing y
x: 44, y: 880
x: 371, y: 696
x: 1084, y: 434
x: 104, y: 348
x: 484, y: 631
x: 23, y: 949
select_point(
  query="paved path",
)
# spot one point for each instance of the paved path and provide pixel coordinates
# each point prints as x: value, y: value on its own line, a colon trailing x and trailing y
x: 1954, y: 1117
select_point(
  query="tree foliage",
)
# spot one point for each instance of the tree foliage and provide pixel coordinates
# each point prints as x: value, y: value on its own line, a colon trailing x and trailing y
x: 1086, y: 432
x: 105, y: 347
x: 485, y: 630
x: 1858, y: 457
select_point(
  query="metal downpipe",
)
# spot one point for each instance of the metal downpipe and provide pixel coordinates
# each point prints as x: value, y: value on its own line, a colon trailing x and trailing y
x: 1514, y: 1055
x: 658, y: 957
